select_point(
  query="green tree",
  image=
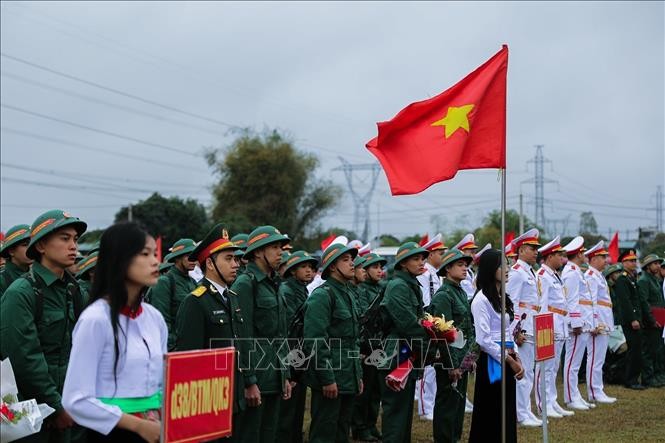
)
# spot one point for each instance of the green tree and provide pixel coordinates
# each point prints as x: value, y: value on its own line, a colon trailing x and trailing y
x: 656, y: 246
x: 588, y: 223
x: 263, y: 179
x: 389, y: 240
x: 171, y: 218
x: 490, y: 231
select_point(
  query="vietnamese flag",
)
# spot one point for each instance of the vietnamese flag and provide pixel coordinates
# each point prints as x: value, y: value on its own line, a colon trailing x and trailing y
x: 613, y: 248
x: 158, y: 248
x: 464, y: 127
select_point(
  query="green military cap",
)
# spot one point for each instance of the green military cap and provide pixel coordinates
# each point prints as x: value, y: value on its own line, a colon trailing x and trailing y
x: 240, y: 240
x: 298, y: 258
x: 584, y: 267
x: 87, y: 264
x: 452, y: 256
x: 49, y: 222
x: 646, y: 261
x: 217, y: 239
x: 163, y: 267
x: 359, y: 261
x: 181, y: 247
x: 409, y: 249
x: 612, y: 269
x: 284, y: 258
x: 332, y: 253
x: 262, y: 236
x: 95, y: 248
x: 15, y: 235
x: 372, y: 258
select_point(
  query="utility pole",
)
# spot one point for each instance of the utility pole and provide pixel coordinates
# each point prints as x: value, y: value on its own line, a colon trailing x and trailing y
x: 362, y: 199
x: 539, y: 181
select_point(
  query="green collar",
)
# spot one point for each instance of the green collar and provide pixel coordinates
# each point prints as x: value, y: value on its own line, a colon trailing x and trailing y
x: 294, y: 282
x: 337, y: 284
x: 407, y: 277
x: 174, y: 269
x: 254, y: 269
x: 13, y: 267
x: 45, y: 274
x: 449, y: 282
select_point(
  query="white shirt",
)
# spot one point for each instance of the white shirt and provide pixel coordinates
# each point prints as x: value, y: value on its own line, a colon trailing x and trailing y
x: 318, y: 281
x: 552, y: 296
x: 603, y: 302
x: 469, y: 284
x: 579, y: 299
x: 487, y: 323
x: 523, y: 291
x: 430, y: 282
x: 140, y: 368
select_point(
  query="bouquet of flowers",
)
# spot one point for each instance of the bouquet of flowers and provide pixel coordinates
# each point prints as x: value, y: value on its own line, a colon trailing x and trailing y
x: 18, y: 418
x: 438, y: 328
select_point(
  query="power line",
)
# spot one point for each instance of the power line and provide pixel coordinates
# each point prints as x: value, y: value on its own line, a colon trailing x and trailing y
x: 100, y: 131
x: 73, y: 144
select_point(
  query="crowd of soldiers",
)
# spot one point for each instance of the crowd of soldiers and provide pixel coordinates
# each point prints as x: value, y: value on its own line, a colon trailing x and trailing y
x: 252, y: 291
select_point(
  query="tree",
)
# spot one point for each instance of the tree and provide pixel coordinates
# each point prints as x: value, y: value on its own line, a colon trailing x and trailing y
x: 588, y: 223
x: 656, y: 246
x: 263, y: 180
x: 490, y: 231
x: 388, y: 240
x: 171, y: 218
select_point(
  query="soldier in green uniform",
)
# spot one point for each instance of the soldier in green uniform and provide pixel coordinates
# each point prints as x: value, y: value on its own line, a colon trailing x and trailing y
x: 451, y: 302
x: 164, y: 267
x: 631, y: 318
x: 332, y: 337
x: 37, y: 316
x: 86, y: 274
x: 265, y: 321
x: 402, y: 310
x: 174, y: 285
x: 240, y: 240
x: 13, y: 251
x: 299, y: 271
x: 281, y: 269
x: 211, y: 317
x: 611, y: 273
x: 366, y: 406
x: 650, y: 288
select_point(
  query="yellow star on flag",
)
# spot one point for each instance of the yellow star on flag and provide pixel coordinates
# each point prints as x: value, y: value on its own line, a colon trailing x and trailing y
x: 457, y: 117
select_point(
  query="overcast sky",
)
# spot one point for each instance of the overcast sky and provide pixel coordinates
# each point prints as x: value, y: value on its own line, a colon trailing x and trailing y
x: 584, y: 79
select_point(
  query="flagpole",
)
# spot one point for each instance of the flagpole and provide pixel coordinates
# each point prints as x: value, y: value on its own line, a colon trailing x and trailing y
x: 503, y: 307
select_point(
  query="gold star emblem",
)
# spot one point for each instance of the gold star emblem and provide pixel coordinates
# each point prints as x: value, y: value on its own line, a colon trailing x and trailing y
x: 457, y: 117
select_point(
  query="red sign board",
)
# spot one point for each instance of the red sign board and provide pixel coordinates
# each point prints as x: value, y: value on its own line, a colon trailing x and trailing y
x: 198, y: 395
x: 543, y: 325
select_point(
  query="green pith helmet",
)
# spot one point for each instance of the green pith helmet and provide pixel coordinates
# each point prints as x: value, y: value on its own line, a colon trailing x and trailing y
x: 409, y: 249
x: 163, y: 267
x: 359, y: 261
x: 240, y: 240
x: 95, y: 248
x: 452, y: 256
x: 611, y: 269
x: 298, y: 258
x: 87, y: 264
x: 372, y: 258
x: 217, y: 239
x: 263, y: 236
x: 15, y: 235
x: 48, y: 223
x: 184, y: 246
x: 646, y: 261
x: 332, y: 253
x: 284, y: 258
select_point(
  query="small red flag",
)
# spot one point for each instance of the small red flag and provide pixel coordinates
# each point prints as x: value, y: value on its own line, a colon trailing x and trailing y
x: 510, y: 236
x: 158, y: 241
x: 464, y: 127
x: 613, y: 248
x: 327, y: 241
x: 424, y: 240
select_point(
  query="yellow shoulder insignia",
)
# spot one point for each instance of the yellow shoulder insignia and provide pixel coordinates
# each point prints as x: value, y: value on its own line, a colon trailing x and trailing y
x: 624, y: 273
x: 199, y: 291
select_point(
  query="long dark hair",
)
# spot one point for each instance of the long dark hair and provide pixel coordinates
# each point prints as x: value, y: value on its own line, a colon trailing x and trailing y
x: 118, y: 246
x: 489, y: 262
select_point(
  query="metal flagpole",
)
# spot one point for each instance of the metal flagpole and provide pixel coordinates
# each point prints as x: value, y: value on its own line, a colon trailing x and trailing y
x: 503, y: 308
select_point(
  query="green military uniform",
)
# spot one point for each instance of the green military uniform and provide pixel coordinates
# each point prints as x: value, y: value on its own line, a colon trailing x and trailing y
x: 451, y: 302
x: 240, y: 240
x: 172, y: 288
x: 37, y: 316
x: 610, y: 270
x: 294, y: 294
x: 630, y: 309
x: 332, y: 337
x: 11, y: 271
x: 83, y: 274
x: 650, y: 288
x: 367, y: 405
x: 212, y: 318
x: 164, y: 267
x: 402, y: 309
x: 265, y: 321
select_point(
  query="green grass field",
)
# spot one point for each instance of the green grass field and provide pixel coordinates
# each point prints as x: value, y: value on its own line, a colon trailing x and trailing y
x: 637, y: 416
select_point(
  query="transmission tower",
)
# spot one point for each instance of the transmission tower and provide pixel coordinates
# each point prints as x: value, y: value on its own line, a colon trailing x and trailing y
x: 361, y: 198
x: 539, y: 180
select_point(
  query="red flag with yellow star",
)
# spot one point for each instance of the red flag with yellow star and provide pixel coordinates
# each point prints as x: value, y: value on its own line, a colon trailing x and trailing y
x: 464, y: 127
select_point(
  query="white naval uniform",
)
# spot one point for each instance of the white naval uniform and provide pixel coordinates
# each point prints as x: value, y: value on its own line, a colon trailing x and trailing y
x: 469, y: 283
x: 580, y: 306
x: 523, y: 291
x: 430, y: 282
x: 552, y: 299
x: 604, y: 317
